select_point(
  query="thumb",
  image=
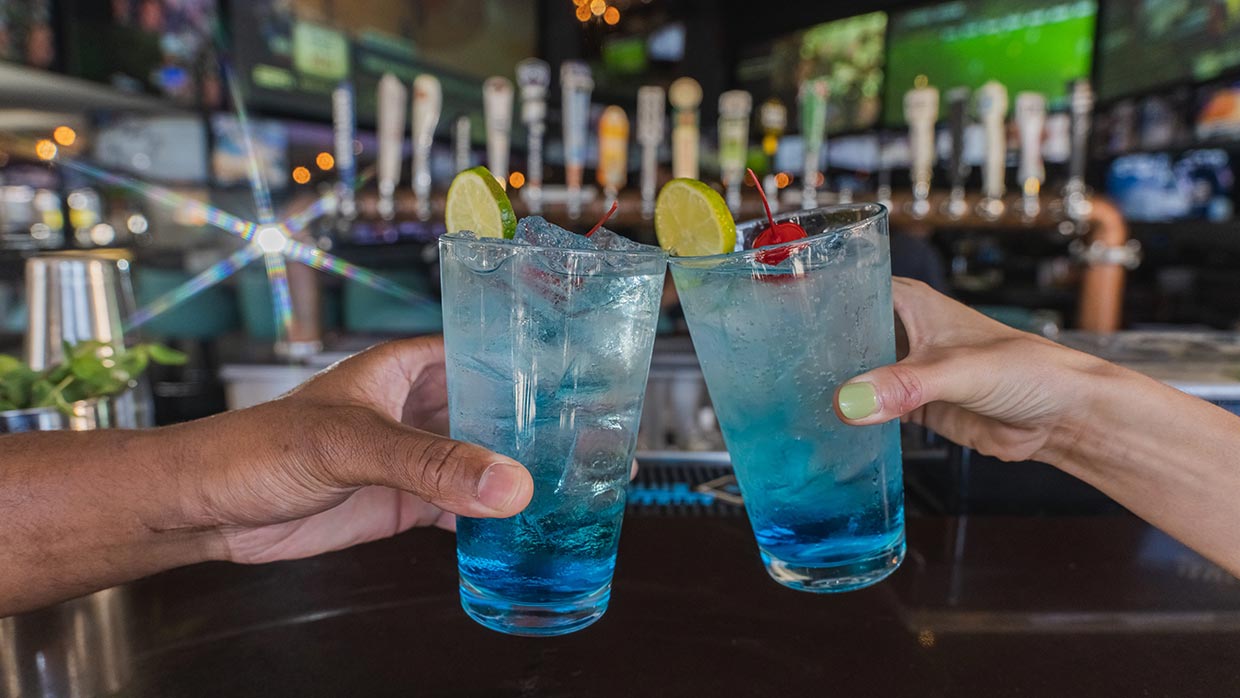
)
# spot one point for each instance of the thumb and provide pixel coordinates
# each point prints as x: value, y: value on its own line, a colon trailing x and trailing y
x: 890, y: 392
x: 455, y: 476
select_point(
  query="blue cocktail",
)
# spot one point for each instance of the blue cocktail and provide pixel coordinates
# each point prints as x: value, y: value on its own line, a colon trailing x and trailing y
x: 776, y: 331
x: 548, y: 339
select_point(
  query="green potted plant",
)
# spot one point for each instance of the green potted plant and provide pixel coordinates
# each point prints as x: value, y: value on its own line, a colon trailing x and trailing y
x: 76, y: 392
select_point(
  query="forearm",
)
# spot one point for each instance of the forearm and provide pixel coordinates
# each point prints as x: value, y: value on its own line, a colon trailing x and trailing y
x: 86, y: 510
x: 1170, y: 458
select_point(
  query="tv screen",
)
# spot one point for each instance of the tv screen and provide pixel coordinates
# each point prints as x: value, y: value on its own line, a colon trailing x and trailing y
x: 26, y: 34
x: 848, y: 52
x: 157, y: 47
x: 1149, y: 44
x: 295, y: 52
x: 1033, y: 45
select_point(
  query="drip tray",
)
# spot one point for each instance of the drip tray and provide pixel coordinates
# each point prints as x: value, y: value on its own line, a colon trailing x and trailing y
x: 683, y: 486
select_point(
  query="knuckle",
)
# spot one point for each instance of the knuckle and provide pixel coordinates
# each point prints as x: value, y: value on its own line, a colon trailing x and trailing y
x: 905, y: 389
x: 437, y: 467
x: 334, y: 433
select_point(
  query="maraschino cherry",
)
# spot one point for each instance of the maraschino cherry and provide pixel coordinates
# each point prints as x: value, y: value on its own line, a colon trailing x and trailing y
x: 775, y: 233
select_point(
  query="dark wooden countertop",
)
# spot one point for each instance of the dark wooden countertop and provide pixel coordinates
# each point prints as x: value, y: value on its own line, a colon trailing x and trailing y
x: 1082, y: 606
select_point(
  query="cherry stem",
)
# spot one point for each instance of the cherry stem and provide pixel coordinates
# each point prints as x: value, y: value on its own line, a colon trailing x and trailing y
x: 614, y: 205
x: 765, y: 204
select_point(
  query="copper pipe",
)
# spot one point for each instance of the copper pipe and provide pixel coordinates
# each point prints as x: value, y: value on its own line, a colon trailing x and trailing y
x: 1101, y: 302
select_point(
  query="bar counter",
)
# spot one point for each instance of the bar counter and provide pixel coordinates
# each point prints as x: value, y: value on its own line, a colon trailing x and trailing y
x: 982, y: 606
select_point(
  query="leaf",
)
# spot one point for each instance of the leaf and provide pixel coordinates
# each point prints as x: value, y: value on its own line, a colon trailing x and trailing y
x: 9, y: 364
x: 167, y: 356
x: 41, y: 393
x: 5, y: 406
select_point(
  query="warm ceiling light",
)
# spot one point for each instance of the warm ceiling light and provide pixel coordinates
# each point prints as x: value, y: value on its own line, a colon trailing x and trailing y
x: 611, y: 16
x: 516, y: 180
x: 325, y: 161
x: 64, y: 135
x: 301, y: 175
x: 45, y: 149
x: 583, y: 13
x: 598, y: 7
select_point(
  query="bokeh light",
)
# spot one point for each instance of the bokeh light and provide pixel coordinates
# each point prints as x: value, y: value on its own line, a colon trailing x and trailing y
x: 301, y: 175
x: 583, y: 13
x: 64, y: 135
x: 325, y: 161
x: 45, y: 149
x: 516, y: 180
x: 782, y: 180
x: 598, y: 7
x: 611, y: 16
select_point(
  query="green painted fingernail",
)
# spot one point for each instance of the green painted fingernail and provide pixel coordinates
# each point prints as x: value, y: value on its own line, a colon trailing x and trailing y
x: 858, y: 400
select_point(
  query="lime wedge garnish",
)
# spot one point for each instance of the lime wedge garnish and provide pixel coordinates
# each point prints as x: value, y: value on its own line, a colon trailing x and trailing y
x: 477, y: 203
x: 691, y: 219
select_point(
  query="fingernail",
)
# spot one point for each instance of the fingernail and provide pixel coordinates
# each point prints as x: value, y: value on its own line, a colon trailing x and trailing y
x: 858, y: 400
x: 499, y: 486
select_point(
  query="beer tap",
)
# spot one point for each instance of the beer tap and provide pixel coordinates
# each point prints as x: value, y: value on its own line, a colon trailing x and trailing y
x: 813, y: 98
x: 460, y: 143
x: 883, y: 193
x: 992, y: 106
x: 773, y: 116
x: 613, y: 151
x: 685, y: 94
x: 650, y: 116
x: 344, y: 132
x: 734, y: 109
x: 958, y: 110
x: 534, y: 75
x: 576, y: 84
x: 1076, y: 200
x: 393, y: 98
x: 921, y: 110
x: 1030, y: 122
x: 497, y: 97
x: 427, y: 103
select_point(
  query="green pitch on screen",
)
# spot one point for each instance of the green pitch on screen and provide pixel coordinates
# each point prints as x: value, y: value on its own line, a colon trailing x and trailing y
x: 1035, y: 45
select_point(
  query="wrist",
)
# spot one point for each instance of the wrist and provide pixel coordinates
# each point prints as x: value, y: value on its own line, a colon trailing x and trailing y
x: 1086, y: 425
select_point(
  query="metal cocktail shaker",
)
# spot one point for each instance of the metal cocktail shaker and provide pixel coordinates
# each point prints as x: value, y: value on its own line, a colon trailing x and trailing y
x: 78, y: 296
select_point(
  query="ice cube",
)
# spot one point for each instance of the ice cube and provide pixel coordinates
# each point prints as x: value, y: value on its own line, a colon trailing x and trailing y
x: 537, y: 230
x: 482, y: 254
x: 605, y: 239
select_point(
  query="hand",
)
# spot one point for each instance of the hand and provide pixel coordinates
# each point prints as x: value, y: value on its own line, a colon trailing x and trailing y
x: 354, y: 455
x: 984, y: 385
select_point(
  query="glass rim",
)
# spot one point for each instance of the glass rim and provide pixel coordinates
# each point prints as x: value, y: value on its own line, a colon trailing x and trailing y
x: 651, y: 254
x: 876, y: 211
